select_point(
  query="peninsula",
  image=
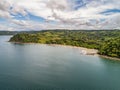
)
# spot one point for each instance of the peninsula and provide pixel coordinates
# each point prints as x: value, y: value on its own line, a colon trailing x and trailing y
x: 105, y: 42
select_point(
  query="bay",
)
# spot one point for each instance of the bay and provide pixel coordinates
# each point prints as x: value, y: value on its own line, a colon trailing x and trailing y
x: 47, y: 67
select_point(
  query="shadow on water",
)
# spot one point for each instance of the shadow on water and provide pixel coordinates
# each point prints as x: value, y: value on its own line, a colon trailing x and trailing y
x: 19, y: 44
x: 110, y: 61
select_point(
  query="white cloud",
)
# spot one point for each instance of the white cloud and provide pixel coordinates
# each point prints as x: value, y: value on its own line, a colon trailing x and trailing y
x: 4, y: 9
x: 63, y: 13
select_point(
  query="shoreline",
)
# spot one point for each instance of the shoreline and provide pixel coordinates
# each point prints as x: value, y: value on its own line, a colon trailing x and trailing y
x: 108, y: 57
x: 84, y: 51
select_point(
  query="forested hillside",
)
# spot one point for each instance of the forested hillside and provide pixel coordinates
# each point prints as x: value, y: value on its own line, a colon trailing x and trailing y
x: 106, y: 41
x: 111, y: 47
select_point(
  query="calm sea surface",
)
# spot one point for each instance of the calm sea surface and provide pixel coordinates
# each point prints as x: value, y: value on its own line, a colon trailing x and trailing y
x: 45, y: 67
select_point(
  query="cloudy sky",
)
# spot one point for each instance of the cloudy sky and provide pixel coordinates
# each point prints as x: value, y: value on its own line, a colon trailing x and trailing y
x: 59, y: 14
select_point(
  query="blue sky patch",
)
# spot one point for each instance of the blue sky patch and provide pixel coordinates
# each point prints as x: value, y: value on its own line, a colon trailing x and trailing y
x: 28, y: 16
x: 19, y: 17
x: 77, y: 4
x: 2, y: 19
x: 35, y: 18
x: 111, y: 11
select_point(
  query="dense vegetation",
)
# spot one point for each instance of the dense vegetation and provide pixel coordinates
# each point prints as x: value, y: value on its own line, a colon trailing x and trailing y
x: 111, y: 47
x: 106, y: 41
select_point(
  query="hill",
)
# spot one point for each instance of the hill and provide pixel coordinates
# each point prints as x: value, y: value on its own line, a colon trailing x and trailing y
x: 106, y: 41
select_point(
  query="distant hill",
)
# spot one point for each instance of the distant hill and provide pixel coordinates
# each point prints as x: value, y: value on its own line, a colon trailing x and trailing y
x: 8, y: 32
x: 16, y: 32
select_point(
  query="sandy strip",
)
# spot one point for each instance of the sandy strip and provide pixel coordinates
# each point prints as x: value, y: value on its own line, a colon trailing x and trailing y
x: 111, y: 58
x: 84, y: 51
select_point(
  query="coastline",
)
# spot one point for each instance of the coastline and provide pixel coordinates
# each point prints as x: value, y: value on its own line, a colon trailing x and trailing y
x: 84, y: 51
x: 111, y: 58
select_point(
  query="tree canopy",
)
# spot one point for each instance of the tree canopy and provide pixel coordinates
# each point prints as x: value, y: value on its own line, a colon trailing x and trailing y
x: 106, y: 41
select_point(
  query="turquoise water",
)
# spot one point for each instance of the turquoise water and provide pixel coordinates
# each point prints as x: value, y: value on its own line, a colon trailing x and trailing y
x: 45, y: 67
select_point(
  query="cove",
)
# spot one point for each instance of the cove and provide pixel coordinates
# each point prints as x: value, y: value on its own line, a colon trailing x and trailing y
x: 35, y: 66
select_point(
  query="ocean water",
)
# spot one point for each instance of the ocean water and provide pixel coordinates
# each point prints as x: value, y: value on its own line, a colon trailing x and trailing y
x: 47, y: 67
